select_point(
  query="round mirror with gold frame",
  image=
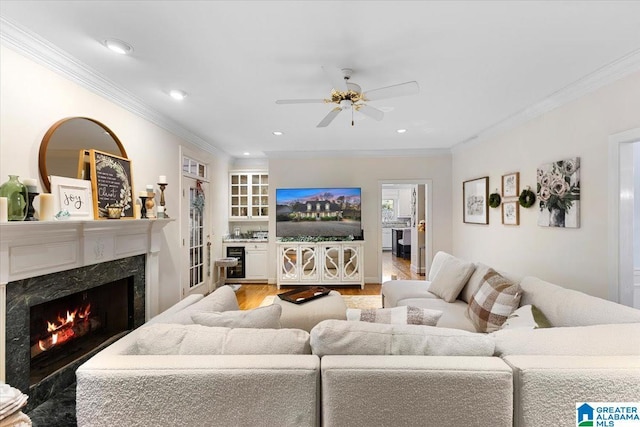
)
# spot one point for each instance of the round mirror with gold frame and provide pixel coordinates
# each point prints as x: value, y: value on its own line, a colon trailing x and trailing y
x: 63, y: 143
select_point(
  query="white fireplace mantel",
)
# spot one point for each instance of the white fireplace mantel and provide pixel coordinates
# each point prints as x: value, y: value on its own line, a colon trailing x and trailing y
x: 30, y: 249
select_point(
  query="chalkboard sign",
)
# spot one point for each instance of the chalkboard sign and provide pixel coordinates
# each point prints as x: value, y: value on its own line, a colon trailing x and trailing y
x: 110, y: 183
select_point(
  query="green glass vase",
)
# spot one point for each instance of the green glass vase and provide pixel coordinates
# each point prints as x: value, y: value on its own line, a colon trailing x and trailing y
x: 16, y: 194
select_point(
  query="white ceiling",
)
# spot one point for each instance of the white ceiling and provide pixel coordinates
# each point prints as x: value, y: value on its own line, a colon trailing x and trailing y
x: 480, y: 64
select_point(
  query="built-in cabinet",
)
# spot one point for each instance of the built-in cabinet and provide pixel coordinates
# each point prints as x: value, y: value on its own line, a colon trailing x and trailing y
x: 386, y: 239
x: 327, y: 263
x: 404, y: 202
x: 256, y: 261
x: 249, y: 196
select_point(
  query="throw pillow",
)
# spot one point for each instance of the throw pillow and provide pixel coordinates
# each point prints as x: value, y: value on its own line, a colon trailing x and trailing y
x: 496, y: 299
x: 402, y: 315
x: 332, y: 337
x: 161, y: 338
x: 451, y: 278
x: 222, y: 299
x: 267, y: 317
x: 527, y: 316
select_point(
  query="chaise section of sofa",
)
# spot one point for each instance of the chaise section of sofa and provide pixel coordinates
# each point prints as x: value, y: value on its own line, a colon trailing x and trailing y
x: 416, y: 390
x: 547, y: 388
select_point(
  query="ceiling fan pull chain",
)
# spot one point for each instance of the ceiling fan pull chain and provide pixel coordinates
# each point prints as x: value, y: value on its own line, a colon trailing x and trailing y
x: 352, y: 117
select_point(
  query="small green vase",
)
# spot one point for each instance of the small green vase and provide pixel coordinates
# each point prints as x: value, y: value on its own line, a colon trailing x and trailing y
x: 16, y: 194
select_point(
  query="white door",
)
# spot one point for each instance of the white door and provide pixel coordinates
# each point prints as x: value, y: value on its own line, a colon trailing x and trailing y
x: 196, y: 245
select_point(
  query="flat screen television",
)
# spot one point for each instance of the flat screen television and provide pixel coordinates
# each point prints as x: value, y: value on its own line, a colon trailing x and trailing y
x: 318, y: 212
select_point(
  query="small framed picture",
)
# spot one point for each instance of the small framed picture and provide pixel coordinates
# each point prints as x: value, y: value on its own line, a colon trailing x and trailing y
x: 511, y: 213
x: 73, y: 196
x: 475, y: 201
x: 510, y: 184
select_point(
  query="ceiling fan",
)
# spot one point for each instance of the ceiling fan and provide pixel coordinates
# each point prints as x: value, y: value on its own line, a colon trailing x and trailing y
x: 349, y: 96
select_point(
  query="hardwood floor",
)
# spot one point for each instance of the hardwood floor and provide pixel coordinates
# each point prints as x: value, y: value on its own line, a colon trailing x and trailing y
x: 251, y: 295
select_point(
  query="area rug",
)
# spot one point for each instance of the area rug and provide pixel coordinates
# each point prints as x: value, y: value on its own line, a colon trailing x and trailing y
x: 352, y: 301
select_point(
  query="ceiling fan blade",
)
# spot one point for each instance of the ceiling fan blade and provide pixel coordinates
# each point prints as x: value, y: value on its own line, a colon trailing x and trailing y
x: 329, y: 117
x: 402, y: 89
x: 300, y: 101
x: 335, y: 77
x: 370, y: 111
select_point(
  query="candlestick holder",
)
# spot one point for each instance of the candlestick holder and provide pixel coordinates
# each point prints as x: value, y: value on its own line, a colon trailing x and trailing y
x: 162, y: 187
x: 143, y: 207
x: 30, y: 209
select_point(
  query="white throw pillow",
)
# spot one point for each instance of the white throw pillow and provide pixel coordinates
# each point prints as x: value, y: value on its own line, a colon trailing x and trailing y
x: 451, y: 278
x: 222, y: 299
x: 402, y: 315
x: 162, y: 338
x: 363, y: 338
x: 528, y: 317
x: 267, y: 317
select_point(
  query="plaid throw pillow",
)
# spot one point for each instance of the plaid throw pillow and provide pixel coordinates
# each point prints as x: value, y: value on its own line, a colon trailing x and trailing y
x: 494, y: 301
x: 401, y: 315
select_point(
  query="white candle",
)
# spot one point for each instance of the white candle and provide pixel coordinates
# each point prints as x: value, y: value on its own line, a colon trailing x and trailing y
x: 149, y: 188
x: 45, y: 207
x: 162, y: 179
x: 142, y: 194
x: 3, y: 209
x: 31, y: 184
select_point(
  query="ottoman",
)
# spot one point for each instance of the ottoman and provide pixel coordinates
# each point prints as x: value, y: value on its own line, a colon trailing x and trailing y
x: 308, y: 314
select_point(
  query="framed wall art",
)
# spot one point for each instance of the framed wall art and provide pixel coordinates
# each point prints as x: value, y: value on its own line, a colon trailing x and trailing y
x: 475, y: 201
x: 511, y: 213
x: 111, y: 184
x: 73, y: 196
x: 559, y: 193
x: 511, y: 184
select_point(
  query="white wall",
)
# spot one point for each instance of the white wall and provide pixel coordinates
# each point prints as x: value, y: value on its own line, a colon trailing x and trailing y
x: 32, y: 98
x: 367, y: 173
x: 636, y: 201
x: 575, y: 258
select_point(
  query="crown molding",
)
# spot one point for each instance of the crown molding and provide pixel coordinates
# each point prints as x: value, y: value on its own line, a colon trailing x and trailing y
x: 42, y: 52
x: 605, y: 75
x: 427, y: 152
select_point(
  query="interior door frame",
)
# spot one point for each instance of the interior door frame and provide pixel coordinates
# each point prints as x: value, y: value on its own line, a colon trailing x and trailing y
x: 620, y: 233
x: 428, y: 189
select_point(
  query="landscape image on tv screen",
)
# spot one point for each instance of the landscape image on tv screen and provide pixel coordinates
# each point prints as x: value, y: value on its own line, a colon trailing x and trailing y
x: 318, y: 212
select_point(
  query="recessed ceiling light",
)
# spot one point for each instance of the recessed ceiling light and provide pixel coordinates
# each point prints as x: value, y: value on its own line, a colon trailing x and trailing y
x: 118, y: 46
x: 278, y: 133
x: 401, y: 130
x: 178, y: 95
x: 246, y: 153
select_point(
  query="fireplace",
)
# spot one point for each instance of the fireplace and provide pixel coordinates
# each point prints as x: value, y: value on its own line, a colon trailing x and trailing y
x: 65, y: 329
x: 108, y: 300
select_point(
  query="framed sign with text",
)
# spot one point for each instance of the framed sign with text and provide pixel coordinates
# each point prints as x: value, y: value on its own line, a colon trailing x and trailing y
x: 73, y: 196
x: 111, y: 184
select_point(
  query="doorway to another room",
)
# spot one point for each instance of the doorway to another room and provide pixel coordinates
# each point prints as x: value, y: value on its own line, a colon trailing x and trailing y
x: 405, y: 241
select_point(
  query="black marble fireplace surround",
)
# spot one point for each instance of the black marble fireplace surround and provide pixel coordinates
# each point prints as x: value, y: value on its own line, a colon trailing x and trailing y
x: 23, y: 294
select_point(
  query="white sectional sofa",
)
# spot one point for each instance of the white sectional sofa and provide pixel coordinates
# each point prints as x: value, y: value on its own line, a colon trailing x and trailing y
x: 171, y: 372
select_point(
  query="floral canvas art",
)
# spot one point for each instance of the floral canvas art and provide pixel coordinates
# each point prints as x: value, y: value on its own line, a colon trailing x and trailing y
x: 559, y: 193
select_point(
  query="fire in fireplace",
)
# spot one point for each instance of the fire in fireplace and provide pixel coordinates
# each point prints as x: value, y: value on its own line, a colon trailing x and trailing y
x: 64, y: 329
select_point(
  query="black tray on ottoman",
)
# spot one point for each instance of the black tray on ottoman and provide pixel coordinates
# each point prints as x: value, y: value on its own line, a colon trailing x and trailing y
x: 302, y: 295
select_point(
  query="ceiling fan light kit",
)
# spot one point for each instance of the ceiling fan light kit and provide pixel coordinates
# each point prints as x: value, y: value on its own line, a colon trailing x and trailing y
x: 349, y: 96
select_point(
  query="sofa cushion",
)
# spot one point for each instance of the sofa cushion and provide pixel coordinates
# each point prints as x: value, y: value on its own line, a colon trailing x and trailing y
x: 396, y: 290
x: 475, y: 281
x: 353, y: 338
x: 162, y: 338
x: 267, y: 317
x: 567, y: 307
x: 438, y: 260
x: 451, y: 278
x: 453, y: 313
x: 496, y: 299
x: 403, y: 315
x: 527, y: 316
x: 595, y: 340
x: 222, y: 299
